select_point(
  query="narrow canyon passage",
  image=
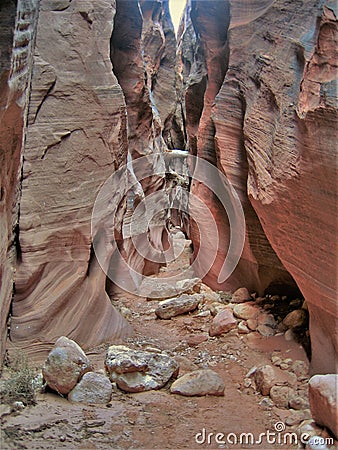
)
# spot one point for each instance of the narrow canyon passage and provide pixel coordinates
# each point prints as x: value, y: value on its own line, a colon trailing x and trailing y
x: 159, y: 419
x: 167, y: 200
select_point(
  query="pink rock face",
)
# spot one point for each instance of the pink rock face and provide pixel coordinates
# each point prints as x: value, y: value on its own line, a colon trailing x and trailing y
x: 223, y: 322
x: 273, y: 124
x: 290, y: 146
x: 17, y: 20
x: 323, y: 401
x: 75, y: 138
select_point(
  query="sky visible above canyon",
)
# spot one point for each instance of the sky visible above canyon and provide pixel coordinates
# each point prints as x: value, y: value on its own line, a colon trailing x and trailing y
x: 176, y: 9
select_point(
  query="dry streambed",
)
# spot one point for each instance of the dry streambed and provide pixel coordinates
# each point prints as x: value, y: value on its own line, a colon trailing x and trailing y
x: 199, y: 365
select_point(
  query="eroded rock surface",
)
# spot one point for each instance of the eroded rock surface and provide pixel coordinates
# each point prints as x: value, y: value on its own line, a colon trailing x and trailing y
x: 18, y: 21
x: 75, y: 138
x: 178, y: 305
x: 138, y: 371
x: 272, y: 132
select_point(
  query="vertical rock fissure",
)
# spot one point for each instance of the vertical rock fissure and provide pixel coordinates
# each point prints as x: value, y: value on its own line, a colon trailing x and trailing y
x: 205, y: 76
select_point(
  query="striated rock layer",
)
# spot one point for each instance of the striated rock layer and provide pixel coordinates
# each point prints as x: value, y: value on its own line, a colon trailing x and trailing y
x: 17, y: 31
x: 204, y: 50
x: 274, y: 129
x: 75, y: 138
x: 101, y: 89
x: 143, y: 53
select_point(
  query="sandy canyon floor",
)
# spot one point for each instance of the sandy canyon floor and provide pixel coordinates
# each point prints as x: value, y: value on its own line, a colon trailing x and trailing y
x: 159, y: 419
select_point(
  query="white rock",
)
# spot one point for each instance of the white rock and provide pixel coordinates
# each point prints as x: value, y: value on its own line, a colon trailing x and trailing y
x: 198, y: 383
x: 137, y: 370
x: 178, y: 305
x: 242, y: 328
x: 323, y: 401
x: 246, y: 311
x: 92, y: 388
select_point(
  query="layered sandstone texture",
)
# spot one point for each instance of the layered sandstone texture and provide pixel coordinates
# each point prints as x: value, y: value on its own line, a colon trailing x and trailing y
x: 204, y: 51
x: 75, y: 138
x: 143, y: 53
x: 273, y: 133
x: 100, y: 89
x: 17, y: 32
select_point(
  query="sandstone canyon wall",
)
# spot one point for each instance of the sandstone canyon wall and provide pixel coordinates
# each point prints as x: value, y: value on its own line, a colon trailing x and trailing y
x: 263, y: 75
x: 78, y: 126
x: 17, y: 32
x: 88, y: 86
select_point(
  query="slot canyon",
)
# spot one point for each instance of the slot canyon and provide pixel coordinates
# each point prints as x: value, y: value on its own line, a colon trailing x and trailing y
x: 168, y: 209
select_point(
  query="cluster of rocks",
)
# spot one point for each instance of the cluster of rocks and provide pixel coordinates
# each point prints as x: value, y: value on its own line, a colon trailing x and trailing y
x: 238, y: 310
x: 311, y: 403
x: 68, y: 371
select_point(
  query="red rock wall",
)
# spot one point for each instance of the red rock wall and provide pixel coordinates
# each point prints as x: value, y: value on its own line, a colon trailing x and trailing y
x: 98, y: 87
x: 75, y: 138
x: 204, y: 49
x: 274, y: 124
x: 17, y: 31
x: 143, y: 52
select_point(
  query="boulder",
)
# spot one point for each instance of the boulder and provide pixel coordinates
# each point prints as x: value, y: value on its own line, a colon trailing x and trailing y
x: 178, y: 305
x: 252, y: 324
x: 300, y: 368
x: 265, y: 330
x: 223, y: 322
x: 296, y: 417
x: 215, y: 308
x: 92, y: 388
x: 162, y: 290
x: 281, y: 395
x: 241, y: 295
x: 242, y: 327
x: 323, y: 401
x: 264, y: 377
x: 297, y: 402
x: 295, y: 319
x: 65, y: 365
x: 137, y: 370
x: 198, y: 383
x: 196, y: 339
x: 246, y: 311
x: 265, y: 318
